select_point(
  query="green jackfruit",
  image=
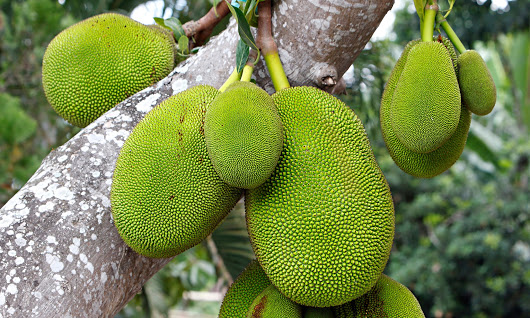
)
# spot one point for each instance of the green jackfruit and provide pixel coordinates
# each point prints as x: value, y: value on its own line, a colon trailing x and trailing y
x: 344, y: 311
x: 416, y: 164
x: 247, y: 286
x: 93, y: 65
x: 476, y: 84
x: 426, y: 101
x: 322, y: 225
x: 388, y: 299
x: 272, y: 304
x: 244, y: 135
x: 315, y: 312
x: 165, y: 196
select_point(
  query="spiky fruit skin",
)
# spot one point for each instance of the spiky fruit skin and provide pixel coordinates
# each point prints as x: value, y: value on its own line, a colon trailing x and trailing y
x: 476, y: 84
x: 420, y: 165
x: 315, y: 312
x: 91, y: 66
x: 165, y: 196
x: 247, y: 286
x: 426, y: 101
x: 272, y: 304
x: 387, y: 299
x: 322, y: 225
x: 344, y: 311
x: 244, y: 135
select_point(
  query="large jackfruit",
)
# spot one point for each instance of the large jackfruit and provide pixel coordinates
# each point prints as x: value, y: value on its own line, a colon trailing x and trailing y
x: 272, y: 304
x: 322, y: 225
x: 247, y: 286
x: 244, y: 135
x: 476, y: 84
x: 426, y: 101
x: 388, y: 299
x: 165, y: 196
x: 420, y: 165
x: 93, y: 65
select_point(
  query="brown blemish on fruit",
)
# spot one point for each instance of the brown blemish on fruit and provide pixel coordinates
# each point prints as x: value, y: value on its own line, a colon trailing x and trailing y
x: 259, y: 308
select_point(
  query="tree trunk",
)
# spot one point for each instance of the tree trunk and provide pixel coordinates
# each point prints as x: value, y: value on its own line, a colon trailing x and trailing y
x: 61, y: 254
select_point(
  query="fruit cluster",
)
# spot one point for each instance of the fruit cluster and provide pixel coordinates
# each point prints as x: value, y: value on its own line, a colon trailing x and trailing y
x: 319, y: 211
x: 321, y: 220
x: 426, y: 107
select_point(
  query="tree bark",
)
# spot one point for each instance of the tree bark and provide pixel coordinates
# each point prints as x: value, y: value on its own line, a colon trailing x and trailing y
x: 61, y: 254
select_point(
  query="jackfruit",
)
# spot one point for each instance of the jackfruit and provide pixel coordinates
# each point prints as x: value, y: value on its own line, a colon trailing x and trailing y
x: 244, y: 135
x: 247, y: 286
x: 322, y: 225
x: 419, y: 165
x: 426, y: 101
x: 476, y: 84
x: 388, y: 299
x: 315, y: 312
x: 272, y: 304
x: 165, y: 196
x: 91, y: 66
x: 344, y: 311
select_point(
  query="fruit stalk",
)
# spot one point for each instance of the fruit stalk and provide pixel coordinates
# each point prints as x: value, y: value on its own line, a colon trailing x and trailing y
x: 268, y: 47
x: 428, y: 23
x: 234, y: 77
x: 248, y: 69
x: 450, y: 33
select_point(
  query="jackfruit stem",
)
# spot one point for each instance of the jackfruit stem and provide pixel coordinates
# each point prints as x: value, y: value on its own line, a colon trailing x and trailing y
x: 450, y: 33
x: 278, y: 77
x: 248, y: 69
x: 427, y: 29
x: 234, y: 77
x: 268, y: 47
x: 247, y: 73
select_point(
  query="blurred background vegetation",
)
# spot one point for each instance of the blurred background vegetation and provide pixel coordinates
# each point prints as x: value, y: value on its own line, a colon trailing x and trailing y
x: 462, y: 238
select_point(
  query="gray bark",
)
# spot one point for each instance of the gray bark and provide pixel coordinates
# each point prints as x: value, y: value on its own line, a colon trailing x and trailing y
x: 61, y: 254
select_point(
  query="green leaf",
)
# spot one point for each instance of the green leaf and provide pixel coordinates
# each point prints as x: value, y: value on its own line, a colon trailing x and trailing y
x: 242, y: 53
x: 243, y: 27
x: 183, y: 44
x: 420, y: 8
x: 484, y: 143
x: 172, y: 24
x: 520, y: 50
x: 15, y: 125
x: 252, y: 15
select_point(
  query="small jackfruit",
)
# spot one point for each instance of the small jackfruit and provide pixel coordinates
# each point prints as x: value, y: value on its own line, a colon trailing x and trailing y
x: 426, y: 101
x: 420, y: 165
x: 322, y: 225
x: 388, y: 299
x: 272, y: 304
x: 315, y: 312
x: 247, y: 286
x: 165, y: 196
x: 244, y: 135
x: 476, y: 84
x: 91, y: 66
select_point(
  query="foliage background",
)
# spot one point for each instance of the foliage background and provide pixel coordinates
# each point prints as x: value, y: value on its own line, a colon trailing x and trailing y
x: 462, y: 238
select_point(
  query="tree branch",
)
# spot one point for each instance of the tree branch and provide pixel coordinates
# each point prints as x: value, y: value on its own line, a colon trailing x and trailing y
x: 200, y: 30
x: 61, y: 254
